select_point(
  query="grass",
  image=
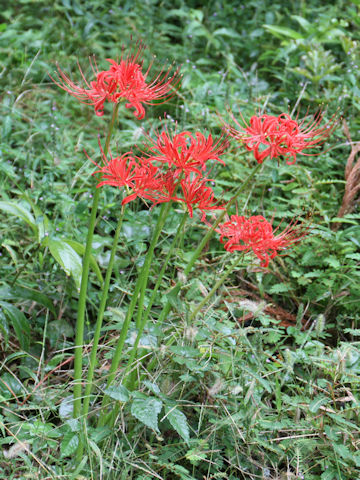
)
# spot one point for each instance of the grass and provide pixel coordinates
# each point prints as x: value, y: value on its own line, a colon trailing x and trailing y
x: 264, y: 381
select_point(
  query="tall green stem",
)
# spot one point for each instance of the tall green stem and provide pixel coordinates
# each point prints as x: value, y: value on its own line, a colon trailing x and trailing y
x: 100, y: 316
x: 80, y: 321
x: 131, y: 380
x: 139, y: 288
x: 204, y: 241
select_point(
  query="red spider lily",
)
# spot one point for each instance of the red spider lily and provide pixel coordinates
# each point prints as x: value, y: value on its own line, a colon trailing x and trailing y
x: 257, y: 234
x: 152, y: 184
x: 270, y: 136
x: 197, y: 194
x: 186, y: 152
x: 118, y: 171
x: 123, y: 80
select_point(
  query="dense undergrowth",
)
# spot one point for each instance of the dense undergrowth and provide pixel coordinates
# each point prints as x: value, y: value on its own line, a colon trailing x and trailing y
x: 265, y: 379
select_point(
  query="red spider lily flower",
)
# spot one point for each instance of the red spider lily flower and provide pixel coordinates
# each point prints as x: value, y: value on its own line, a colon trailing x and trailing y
x: 118, y: 171
x: 123, y: 80
x: 270, y: 136
x: 153, y: 185
x: 257, y: 234
x: 186, y: 152
x: 197, y: 194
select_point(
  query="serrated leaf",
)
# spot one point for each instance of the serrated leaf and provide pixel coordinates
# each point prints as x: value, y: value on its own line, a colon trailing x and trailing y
x: 343, y: 451
x: 353, y: 331
x: 146, y: 409
x: 333, y: 262
x: 353, y: 256
x: 17, y: 293
x: 279, y: 288
x: 66, y: 256
x: 178, y: 421
x: 69, y: 444
x: 317, y: 403
x: 19, y: 322
x: 118, y: 392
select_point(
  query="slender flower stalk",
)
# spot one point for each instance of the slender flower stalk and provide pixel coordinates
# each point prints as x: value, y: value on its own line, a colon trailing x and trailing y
x: 139, y: 288
x: 100, y: 316
x: 166, y: 309
x: 80, y: 321
x: 131, y: 381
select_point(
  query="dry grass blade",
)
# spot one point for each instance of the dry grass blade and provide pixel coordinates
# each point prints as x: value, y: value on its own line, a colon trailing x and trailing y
x: 352, y: 177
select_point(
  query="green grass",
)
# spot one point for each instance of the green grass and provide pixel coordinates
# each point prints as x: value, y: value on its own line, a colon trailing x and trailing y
x: 253, y: 399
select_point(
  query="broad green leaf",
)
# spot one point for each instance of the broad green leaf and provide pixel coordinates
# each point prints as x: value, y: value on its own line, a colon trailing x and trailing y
x: 66, y: 256
x: 69, y: 444
x: 227, y: 32
x: 152, y: 387
x: 80, y: 249
x: 118, y: 392
x: 19, y: 322
x: 302, y: 22
x: 25, y: 293
x: 281, y: 32
x: 178, y: 421
x: 317, y: 403
x: 146, y: 409
x: 19, y: 211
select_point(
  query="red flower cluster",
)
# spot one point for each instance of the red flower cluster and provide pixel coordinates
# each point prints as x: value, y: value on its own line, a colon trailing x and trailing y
x: 124, y: 79
x: 256, y: 233
x: 270, y: 136
x: 171, y: 168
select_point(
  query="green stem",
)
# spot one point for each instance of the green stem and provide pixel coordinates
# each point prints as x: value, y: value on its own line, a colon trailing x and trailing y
x: 204, y: 241
x: 131, y: 380
x: 100, y: 316
x: 139, y: 288
x: 215, y: 287
x: 80, y: 321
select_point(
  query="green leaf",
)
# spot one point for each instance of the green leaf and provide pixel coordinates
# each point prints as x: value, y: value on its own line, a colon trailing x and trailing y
x: 66, y: 408
x: 317, y: 403
x: 16, y: 293
x: 227, y: 32
x: 19, y: 322
x: 279, y: 288
x: 343, y: 451
x: 333, y: 262
x: 256, y: 376
x: 146, y: 409
x: 42, y: 222
x: 80, y: 249
x: 19, y: 211
x: 67, y: 258
x: 178, y: 421
x: 281, y: 32
x: 118, y: 392
x: 69, y: 444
